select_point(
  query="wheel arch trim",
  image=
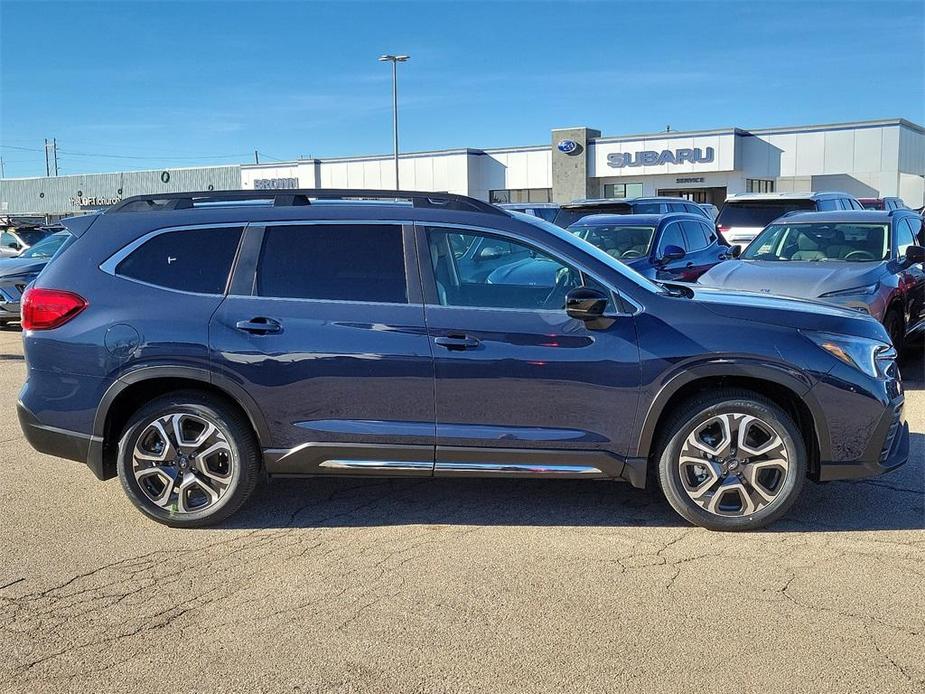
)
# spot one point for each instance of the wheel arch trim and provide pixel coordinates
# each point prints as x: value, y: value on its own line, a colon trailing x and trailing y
x: 797, y: 382
x: 151, y: 373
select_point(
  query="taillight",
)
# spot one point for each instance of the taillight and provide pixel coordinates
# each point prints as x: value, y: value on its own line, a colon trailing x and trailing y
x: 44, y: 309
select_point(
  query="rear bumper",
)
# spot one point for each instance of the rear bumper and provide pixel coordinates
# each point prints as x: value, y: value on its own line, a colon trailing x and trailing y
x: 71, y: 445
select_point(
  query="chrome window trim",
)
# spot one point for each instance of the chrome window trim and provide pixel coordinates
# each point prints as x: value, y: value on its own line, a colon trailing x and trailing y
x: 110, y: 264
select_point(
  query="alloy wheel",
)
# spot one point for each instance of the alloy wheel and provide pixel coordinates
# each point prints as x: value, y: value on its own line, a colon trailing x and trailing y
x: 734, y: 465
x: 183, y: 463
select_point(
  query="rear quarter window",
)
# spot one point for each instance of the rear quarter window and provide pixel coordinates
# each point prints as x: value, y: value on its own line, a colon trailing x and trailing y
x: 188, y: 260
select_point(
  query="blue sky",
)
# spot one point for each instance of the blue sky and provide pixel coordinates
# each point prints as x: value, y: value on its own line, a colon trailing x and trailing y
x: 134, y: 85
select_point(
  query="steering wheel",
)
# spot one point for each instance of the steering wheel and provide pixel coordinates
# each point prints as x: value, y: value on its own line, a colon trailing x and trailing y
x: 864, y: 255
x: 566, y: 279
x: 632, y: 253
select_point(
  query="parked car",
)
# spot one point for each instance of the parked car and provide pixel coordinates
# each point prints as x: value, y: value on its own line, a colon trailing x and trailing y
x: 543, y: 210
x: 16, y: 273
x: 192, y: 345
x: 15, y: 241
x: 676, y: 246
x: 883, y: 204
x: 869, y: 261
x: 744, y: 215
x: 711, y: 209
x: 571, y: 212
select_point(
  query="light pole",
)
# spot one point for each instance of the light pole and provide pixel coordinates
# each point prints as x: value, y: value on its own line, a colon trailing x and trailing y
x: 395, y: 60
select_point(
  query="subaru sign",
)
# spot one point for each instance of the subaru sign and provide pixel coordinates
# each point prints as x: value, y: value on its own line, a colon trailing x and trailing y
x: 567, y: 146
x: 618, y: 160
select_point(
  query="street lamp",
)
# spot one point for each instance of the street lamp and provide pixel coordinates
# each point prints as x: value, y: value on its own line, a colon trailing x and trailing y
x: 395, y: 60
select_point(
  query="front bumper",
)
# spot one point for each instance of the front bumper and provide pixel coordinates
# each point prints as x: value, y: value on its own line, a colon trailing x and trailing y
x: 888, y: 449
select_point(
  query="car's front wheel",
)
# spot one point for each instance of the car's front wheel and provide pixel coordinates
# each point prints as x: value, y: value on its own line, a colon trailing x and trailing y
x: 188, y: 459
x: 732, y: 460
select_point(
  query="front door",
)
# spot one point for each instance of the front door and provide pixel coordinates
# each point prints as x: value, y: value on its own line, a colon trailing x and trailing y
x: 521, y: 388
x: 327, y: 335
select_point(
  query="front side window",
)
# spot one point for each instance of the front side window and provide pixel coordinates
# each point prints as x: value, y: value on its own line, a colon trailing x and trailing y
x: 618, y: 241
x: 336, y: 262
x: 7, y: 240
x: 534, y: 281
x: 188, y: 260
x: 846, y: 242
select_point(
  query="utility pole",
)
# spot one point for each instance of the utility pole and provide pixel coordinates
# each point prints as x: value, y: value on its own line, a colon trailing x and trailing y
x: 395, y: 60
x: 256, y: 158
x: 2, y: 170
x: 47, y: 170
x: 54, y: 146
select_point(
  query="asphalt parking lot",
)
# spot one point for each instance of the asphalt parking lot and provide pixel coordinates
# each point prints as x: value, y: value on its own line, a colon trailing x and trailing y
x: 455, y: 585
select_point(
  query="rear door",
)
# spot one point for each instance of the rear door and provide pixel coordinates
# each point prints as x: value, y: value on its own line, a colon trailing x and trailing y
x: 703, y: 252
x: 324, y: 328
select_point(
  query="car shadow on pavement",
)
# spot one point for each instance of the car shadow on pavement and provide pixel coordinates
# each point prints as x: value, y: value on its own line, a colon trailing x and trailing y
x: 895, y: 501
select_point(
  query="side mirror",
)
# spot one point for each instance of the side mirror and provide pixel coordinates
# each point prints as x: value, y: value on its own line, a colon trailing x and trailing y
x: 15, y: 246
x: 735, y: 251
x: 585, y: 303
x: 672, y: 253
x: 915, y: 254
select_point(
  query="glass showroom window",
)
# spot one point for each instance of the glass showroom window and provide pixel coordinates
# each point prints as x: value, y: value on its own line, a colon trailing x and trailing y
x: 520, y: 195
x: 758, y: 185
x: 622, y: 190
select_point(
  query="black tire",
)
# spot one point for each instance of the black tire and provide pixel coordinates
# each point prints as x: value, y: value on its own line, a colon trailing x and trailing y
x: 895, y: 326
x: 240, y: 456
x: 699, y: 412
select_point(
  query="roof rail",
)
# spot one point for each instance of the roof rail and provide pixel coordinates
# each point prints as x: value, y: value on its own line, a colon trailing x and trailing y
x: 301, y: 196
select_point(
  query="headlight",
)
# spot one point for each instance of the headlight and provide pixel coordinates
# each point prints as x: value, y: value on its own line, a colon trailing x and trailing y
x: 873, y: 357
x: 866, y: 290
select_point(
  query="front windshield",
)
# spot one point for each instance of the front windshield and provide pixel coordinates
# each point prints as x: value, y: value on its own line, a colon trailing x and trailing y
x: 591, y: 250
x: 47, y: 247
x: 618, y: 241
x: 829, y: 242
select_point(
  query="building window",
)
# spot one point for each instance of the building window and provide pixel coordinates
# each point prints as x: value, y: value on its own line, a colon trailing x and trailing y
x: 758, y: 185
x: 622, y: 190
x: 520, y: 195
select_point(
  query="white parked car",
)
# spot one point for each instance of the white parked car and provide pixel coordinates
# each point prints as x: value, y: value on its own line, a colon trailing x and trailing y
x: 744, y: 215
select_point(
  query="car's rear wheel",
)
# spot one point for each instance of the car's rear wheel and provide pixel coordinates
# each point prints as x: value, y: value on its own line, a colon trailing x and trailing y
x: 188, y: 460
x: 732, y: 460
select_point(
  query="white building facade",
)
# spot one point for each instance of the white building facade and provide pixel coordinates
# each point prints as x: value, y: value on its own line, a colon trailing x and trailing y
x: 866, y: 159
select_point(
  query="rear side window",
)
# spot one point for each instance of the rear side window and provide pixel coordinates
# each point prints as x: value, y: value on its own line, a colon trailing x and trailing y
x: 337, y: 262
x: 696, y: 234
x: 190, y: 260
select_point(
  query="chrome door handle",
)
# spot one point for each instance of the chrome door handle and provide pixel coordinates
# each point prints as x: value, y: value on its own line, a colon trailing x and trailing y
x: 259, y: 326
x: 457, y: 342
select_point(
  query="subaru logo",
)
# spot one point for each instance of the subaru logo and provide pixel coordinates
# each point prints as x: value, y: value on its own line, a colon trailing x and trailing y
x: 567, y: 146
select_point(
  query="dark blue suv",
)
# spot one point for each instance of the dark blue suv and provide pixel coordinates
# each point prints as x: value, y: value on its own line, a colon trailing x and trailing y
x: 193, y: 343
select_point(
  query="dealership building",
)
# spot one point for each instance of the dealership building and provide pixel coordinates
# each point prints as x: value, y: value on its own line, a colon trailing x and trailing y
x: 876, y: 158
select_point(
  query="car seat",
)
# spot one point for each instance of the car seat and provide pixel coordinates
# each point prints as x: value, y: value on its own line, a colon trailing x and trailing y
x: 807, y: 249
